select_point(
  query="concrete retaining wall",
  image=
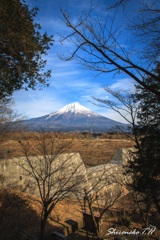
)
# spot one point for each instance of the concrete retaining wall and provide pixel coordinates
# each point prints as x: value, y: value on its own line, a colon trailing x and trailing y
x: 16, y: 172
x: 122, y: 156
x: 66, y: 166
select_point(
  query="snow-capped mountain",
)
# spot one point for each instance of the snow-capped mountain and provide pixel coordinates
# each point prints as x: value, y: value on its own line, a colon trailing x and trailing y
x: 72, y: 110
x: 74, y: 117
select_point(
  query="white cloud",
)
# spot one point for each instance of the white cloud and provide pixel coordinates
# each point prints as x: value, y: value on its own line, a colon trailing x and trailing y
x: 125, y: 84
x: 112, y: 115
x: 37, y: 103
x: 65, y: 73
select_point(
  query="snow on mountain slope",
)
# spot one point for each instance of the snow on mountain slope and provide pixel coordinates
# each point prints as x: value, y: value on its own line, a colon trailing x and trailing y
x: 75, y: 108
x: 74, y: 117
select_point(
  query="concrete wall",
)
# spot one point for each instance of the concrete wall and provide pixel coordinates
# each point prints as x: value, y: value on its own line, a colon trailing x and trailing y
x: 66, y: 166
x: 16, y: 172
x: 122, y: 156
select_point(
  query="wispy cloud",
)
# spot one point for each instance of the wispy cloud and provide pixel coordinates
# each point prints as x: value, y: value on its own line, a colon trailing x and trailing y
x: 65, y: 73
x: 37, y: 103
x: 125, y: 84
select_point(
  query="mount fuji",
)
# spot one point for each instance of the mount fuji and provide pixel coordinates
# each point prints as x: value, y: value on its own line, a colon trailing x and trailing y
x: 74, y: 117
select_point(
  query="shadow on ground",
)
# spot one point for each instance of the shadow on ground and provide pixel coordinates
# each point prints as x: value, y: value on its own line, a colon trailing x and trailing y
x: 16, y: 212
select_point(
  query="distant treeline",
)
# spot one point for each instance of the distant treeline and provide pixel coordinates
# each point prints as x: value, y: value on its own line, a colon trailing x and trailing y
x: 86, y: 135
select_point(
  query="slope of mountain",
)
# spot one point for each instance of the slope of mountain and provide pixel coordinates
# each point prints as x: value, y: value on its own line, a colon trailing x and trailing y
x: 74, y: 117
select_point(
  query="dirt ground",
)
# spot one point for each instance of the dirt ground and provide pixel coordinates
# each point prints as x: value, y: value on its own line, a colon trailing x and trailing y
x: 22, y: 211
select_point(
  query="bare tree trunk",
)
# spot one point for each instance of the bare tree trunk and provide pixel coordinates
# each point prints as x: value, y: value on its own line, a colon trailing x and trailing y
x: 156, y: 202
x: 96, y: 224
x: 43, y: 224
x: 144, y: 213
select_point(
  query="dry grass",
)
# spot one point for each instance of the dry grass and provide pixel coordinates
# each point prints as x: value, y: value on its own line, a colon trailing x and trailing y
x: 93, y: 150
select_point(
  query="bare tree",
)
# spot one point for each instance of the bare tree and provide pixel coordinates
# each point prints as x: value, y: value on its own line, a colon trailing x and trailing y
x: 146, y: 29
x: 9, y: 122
x: 51, y: 170
x: 145, y: 26
x: 97, y: 47
x: 105, y: 186
x: 123, y: 103
x: 5, y: 118
x: 127, y: 106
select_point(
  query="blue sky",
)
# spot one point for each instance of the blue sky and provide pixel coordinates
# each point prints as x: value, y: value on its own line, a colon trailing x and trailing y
x: 70, y: 82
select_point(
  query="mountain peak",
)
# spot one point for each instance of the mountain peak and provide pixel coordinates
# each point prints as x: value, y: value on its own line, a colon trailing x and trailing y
x: 73, y: 108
